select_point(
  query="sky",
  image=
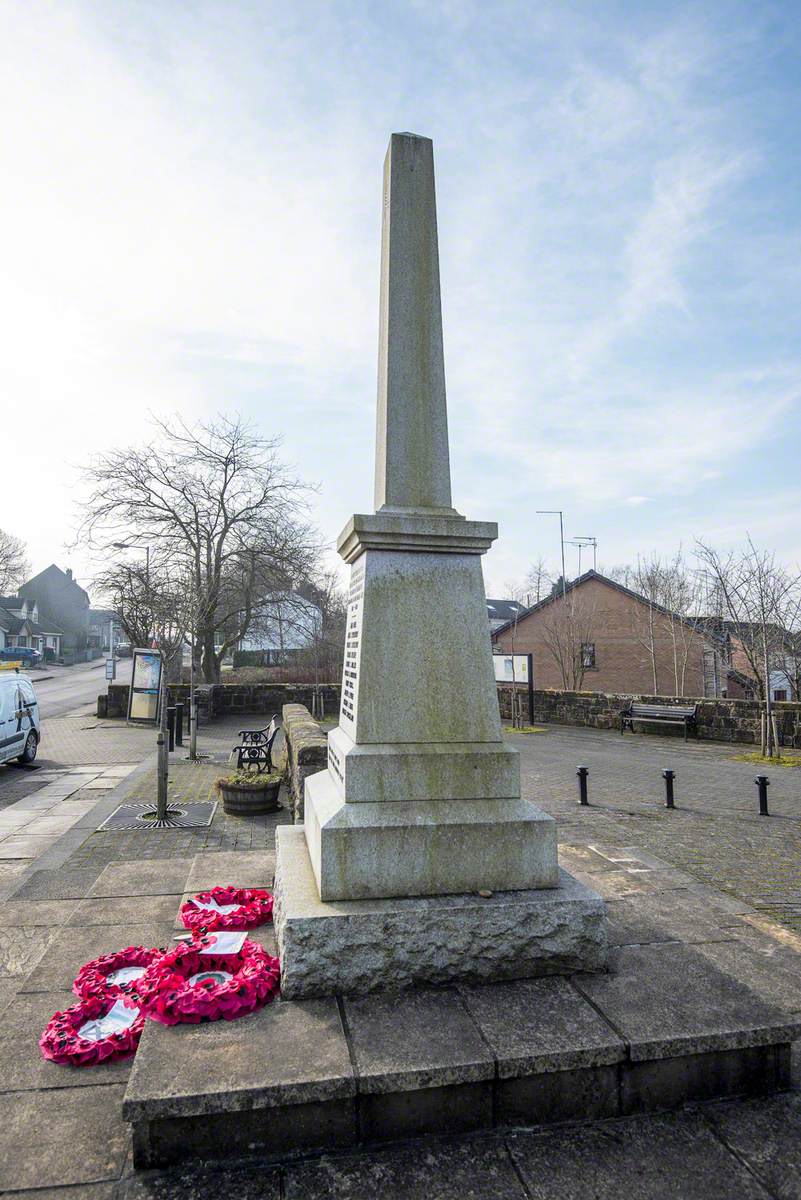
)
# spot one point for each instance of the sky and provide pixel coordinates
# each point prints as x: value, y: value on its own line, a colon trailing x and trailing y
x: 190, y: 224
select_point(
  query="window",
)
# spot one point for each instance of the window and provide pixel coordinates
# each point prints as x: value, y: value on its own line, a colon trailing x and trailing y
x: 588, y: 655
x: 780, y: 694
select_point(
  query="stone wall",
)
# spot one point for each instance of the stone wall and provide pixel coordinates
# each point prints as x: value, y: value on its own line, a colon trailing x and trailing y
x: 718, y: 720
x: 221, y: 700
x: 306, y: 752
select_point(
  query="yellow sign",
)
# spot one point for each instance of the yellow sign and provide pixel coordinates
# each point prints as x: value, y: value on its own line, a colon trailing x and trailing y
x: 10, y: 666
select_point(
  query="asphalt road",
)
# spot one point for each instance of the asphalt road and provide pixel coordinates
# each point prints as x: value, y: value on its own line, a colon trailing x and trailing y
x: 70, y: 688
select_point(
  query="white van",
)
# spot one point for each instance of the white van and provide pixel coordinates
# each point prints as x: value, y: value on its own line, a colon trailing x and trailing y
x: 19, y: 718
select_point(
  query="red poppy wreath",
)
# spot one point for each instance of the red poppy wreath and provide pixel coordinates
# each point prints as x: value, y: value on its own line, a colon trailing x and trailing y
x: 227, y: 908
x: 192, y: 983
x: 113, y: 975
x: 97, y: 1029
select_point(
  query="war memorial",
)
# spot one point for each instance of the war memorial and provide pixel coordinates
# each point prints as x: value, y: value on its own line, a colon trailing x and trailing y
x: 441, y: 972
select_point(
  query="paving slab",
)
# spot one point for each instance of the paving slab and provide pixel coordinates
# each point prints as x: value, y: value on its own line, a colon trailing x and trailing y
x: 670, y: 1000
x: 193, y: 1182
x: 83, y: 1191
x: 117, y: 910
x: 287, y: 1053
x: 244, y: 868
x: 659, y: 1158
x: 46, y: 913
x: 583, y: 858
x: 8, y: 990
x: 71, y: 947
x: 22, y: 1067
x: 771, y: 971
x: 615, y: 885
x: 21, y: 948
x: 420, y: 1039
x: 468, y: 1170
x: 142, y: 877
x: 679, y: 916
x: 61, y: 1137
x: 541, y: 1025
x: 765, y: 1133
x: 55, y: 885
x: 30, y: 846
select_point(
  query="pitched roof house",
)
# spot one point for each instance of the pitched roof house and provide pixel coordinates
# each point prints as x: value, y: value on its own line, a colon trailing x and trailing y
x: 20, y: 626
x: 601, y: 636
x: 60, y: 601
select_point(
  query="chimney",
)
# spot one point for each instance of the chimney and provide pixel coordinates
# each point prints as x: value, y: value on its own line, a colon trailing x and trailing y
x: 68, y: 572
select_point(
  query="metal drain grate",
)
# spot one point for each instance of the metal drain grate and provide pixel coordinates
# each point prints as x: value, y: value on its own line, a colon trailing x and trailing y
x: 194, y: 814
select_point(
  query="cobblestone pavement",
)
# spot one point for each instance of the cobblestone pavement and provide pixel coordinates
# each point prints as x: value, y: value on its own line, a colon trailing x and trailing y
x: 715, y: 832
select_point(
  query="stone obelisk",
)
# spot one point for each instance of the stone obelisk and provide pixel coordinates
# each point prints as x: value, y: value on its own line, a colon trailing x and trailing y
x: 421, y: 797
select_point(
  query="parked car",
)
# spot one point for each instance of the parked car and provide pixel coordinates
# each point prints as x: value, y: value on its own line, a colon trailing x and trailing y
x: 20, y: 729
x: 124, y: 650
x: 24, y: 654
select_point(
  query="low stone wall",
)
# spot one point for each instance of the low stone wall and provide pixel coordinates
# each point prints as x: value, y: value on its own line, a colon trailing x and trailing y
x: 718, y: 720
x: 306, y: 752
x: 222, y: 699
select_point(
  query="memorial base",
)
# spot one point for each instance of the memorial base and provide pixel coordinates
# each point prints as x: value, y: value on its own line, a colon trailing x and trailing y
x: 356, y: 946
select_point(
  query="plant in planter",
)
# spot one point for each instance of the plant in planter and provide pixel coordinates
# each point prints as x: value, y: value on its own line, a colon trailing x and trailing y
x: 247, y: 793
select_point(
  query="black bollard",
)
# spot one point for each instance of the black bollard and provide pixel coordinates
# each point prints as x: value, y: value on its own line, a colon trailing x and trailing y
x: 582, y: 773
x: 668, y: 777
x: 171, y: 727
x: 179, y: 724
x: 763, y: 783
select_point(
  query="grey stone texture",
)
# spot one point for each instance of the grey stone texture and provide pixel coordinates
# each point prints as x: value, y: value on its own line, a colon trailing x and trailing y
x: 541, y: 1025
x: 306, y: 749
x: 60, y: 1137
x: 71, y: 947
x: 412, y: 468
x: 471, y: 1169
x: 283, y: 1055
x: 766, y: 1134
x: 359, y: 945
x: 429, y: 848
x: 420, y: 797
x: 663, y: 1158
x: 245, y: 868
x: 22, y: 1067
x: 157, y: 877
x: 671, y: 999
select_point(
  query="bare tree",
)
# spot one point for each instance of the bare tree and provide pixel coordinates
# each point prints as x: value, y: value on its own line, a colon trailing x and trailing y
x: 216, y: 502
x: 756, y: 595
x: 648, y: 582
x: 152, y: 602
x: 569, y: 633
x: 13, y: 564
x: 538, y: 582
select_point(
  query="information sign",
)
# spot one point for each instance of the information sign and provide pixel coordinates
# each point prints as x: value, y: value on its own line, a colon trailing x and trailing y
x: 143, y: 697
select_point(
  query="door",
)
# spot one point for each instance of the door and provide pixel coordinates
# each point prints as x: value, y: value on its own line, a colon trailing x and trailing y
x: 12, y: 733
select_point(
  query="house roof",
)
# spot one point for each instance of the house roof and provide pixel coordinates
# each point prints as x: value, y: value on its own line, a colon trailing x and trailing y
x: 504, y: 610
x: 589, y: 575
x: 65, y: 579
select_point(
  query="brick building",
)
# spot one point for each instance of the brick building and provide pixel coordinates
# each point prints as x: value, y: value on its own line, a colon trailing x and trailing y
x: 600, y: 636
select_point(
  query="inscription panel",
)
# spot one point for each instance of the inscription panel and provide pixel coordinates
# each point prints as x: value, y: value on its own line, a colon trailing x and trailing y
x: 353, y: 634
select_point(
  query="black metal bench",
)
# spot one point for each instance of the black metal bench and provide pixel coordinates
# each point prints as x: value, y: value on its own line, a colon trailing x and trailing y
x: 660, y: 714
x: 257, y: 745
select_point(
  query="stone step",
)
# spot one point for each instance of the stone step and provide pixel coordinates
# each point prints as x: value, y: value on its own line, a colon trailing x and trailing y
x: 673, y: 1021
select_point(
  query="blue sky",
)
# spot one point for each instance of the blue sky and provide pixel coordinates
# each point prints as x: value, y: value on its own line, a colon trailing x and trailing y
x: 190, y: 222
